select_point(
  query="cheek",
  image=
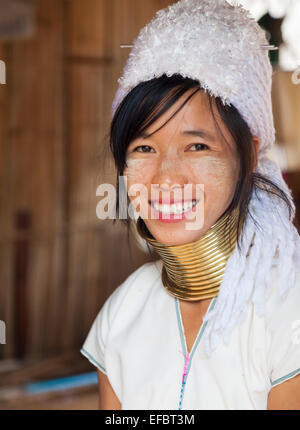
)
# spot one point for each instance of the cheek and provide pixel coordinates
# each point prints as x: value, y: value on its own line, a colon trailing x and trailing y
x: 138, y: 171
x: 215, y: 173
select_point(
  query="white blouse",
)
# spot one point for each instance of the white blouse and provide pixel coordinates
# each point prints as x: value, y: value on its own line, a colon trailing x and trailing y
x: 137, y: 339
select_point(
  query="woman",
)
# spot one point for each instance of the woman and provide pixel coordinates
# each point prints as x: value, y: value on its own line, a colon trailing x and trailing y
x: 214, y: 322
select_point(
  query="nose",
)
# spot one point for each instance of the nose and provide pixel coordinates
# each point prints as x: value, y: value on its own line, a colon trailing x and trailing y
x: 169, y: 177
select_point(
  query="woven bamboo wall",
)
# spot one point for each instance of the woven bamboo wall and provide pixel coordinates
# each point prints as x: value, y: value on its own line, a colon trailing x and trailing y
x: 58, y: 261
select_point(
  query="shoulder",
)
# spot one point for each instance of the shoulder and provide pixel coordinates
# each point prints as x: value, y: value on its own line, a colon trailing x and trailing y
x: 137, y: 283
x: 147, y: 273
x: 143, y: 276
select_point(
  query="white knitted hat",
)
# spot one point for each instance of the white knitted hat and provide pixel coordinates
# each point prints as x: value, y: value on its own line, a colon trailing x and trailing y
x: 225, y: 49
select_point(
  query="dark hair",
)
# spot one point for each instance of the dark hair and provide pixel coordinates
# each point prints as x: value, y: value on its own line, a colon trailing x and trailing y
x: 150, y: 99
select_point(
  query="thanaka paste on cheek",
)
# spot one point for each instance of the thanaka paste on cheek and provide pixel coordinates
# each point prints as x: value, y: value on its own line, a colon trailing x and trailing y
x: 138, y: 173
x: 220, y: 171
x: 138, y: 169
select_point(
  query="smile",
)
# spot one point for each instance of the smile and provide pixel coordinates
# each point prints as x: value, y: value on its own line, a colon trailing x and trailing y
x: 176, y: 208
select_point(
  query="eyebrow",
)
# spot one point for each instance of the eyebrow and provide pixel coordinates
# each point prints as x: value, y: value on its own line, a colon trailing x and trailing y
x: 198, y: 133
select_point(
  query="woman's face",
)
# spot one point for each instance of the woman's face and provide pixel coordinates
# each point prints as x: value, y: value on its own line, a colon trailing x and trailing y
x: 164, y: 163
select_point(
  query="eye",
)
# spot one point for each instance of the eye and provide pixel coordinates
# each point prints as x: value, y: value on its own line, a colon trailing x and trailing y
x: 143, y: 147
x: 200, y: 146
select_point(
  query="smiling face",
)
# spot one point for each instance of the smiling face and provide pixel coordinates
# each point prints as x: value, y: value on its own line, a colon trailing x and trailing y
x: 172, y: 158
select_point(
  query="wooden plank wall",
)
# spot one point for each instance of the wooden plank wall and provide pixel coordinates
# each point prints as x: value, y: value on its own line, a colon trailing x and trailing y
x: 55, y: 113
x: 286, y: 101
x: 286, y: 108
x: 6, y: 245
x: 36, y: 183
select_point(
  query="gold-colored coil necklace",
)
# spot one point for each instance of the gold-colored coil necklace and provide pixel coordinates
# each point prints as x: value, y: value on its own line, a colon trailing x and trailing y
x: 194, y: 271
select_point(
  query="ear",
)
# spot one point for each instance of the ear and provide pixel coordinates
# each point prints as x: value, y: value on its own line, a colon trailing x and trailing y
x: 256, y: 141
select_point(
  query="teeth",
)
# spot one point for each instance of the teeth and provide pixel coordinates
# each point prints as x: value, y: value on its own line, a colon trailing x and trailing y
x: 176, y: 208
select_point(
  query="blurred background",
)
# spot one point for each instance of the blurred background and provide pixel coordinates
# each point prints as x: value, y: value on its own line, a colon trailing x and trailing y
x: 60, y: 61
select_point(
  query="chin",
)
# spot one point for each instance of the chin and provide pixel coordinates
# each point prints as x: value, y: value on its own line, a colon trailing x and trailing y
x: 172, y: 234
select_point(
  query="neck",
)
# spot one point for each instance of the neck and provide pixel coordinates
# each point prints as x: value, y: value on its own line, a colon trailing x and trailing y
x: 194, y: 270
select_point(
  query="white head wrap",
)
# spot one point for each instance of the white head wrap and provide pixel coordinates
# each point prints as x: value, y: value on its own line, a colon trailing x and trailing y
x: 225, y: 49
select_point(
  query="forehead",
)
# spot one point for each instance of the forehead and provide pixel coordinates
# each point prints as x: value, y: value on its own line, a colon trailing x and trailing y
x: 194, y: 114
